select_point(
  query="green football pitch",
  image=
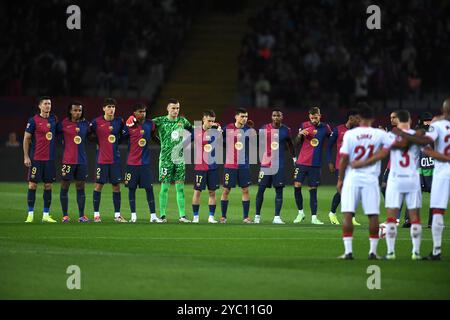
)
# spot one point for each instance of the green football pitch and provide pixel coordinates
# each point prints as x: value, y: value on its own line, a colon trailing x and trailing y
x: 185, y: 261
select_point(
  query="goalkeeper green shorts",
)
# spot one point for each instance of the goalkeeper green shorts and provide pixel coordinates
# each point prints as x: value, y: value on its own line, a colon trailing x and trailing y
x: 170, y: 172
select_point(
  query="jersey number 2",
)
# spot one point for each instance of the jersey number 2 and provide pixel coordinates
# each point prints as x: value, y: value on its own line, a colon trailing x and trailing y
x: 361, y: 151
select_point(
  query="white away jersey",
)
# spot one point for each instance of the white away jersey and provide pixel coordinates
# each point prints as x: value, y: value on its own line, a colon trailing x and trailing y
x: 439, y: 131
x: 359, y: 144
x: 404, y: 163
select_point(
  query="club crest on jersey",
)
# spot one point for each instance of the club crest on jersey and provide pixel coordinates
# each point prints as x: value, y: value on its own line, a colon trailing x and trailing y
x: 175, y: 135
x: 49, y: 125
x: 77, y: 129
x: 142, y: 142
x: 49, y: 136
x: 179, y: 124
x: 239, y: 145
x: 274, y: 145
x: 275, y: 135
x: 314, y: 142
x: 207, y: 147
x: 110, y: 128
x: 77, y: 139
x: 111, y: 138
x: 142, y: 131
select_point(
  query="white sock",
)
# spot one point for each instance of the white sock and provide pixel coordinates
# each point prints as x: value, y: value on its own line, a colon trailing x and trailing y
x: 96, y: 214
x: 116, y: 214
x: 153, y: 216
x: 436, y: 229
x: 133, y: 216
x: 31, y: 213
x: 332, y: 213
x: 45, y: 214
x: 416, y: 237
x: 373, y: 245
x: 348, y: 244
x: 391, y: 234
x: 300, y: 211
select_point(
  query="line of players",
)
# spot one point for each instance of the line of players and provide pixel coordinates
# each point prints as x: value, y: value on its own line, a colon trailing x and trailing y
x: 359, y: 169
x: 108, y: 129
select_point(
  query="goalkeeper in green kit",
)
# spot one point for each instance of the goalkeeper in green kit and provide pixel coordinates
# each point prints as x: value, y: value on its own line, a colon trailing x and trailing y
x: 171, y: 129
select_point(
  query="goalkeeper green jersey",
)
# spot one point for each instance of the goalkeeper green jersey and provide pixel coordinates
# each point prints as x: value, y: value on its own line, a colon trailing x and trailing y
x: 170, y: 133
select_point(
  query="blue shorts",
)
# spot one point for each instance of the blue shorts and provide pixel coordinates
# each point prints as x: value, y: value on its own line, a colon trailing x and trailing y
x: 269, y: 180
x: 233, y: 176
x: 105, y: 173
x: 70, y: 172
x: 44, y: 171
x: 205, y: 178
x: 313, y: 174
x: 138, y: 176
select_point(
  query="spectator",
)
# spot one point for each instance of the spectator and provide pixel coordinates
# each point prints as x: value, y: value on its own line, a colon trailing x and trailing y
x: 262, y: 91
x: 12, y: 140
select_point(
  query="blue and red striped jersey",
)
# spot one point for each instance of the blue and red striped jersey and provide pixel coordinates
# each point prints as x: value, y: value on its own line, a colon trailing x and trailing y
x: 273, y: 141
x: 43, y: 132
x: 311, y: 150
x: 74, y: 140
x: 237, y: 146
x: 108, y: 134
x: 139, y: 138
x: 204, y: 149
x: 337, y: 136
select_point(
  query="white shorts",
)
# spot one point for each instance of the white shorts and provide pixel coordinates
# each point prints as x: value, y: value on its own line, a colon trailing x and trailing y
x: 440, y: 192
x: 395, y: 198
x: 369, y: 195
x: 398, y: 189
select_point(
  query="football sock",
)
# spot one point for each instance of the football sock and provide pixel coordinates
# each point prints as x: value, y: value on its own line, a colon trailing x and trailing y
x: 391, y: 234
x: 116, y: 201
x: 179, y: 187
x: 195, y: 209
x: 47, y: 200
x: 81, y: 201
x: 416, y: 236
x: 298, y: 197
x: 97, y: 196
x: 373, y: 244
x: 150, y: 199
x: 437, y: 228
x: 278, y: 200
x: 224, y: 207
x: 31, y: 198
x: 64, y: 198
x: 132, y: 199
x: 212, y: 209
x: 259, y: 199
x: 163, y: 198
x: 246, y: 208
x: 313, y: 201
x: 335, y: 202
x: 348, y: 244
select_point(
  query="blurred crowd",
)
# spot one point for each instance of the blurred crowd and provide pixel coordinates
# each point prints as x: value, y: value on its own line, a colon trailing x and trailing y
x: 119, y: 41
x: 299, y: 52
